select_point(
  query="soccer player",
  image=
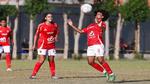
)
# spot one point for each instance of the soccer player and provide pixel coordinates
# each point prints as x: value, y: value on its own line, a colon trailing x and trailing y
x: 95, y: 44
x: 46, y: 34
x: 5, y: 35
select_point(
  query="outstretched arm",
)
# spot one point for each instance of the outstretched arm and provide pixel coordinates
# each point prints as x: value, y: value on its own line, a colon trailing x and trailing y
x: 35, y: 38
x: 34, y: 43
x: 74, y: 27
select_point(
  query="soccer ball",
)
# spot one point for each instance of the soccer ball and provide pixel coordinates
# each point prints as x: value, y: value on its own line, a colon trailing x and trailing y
x: 86, y: 8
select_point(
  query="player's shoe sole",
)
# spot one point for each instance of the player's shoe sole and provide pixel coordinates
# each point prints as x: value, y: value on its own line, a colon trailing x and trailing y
x: 105, y: 74
x: 8, y: 69
x: 32, y: 77
x: 55, y: 77
x: 111, y: 78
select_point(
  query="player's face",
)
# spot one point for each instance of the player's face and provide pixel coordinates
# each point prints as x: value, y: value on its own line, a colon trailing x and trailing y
x: 49, y: 17
x: 3, y: 23
x: 99, y: 16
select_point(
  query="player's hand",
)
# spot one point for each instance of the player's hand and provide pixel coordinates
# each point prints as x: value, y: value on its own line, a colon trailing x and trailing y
x: 69, y: 21
x: 33, y: 47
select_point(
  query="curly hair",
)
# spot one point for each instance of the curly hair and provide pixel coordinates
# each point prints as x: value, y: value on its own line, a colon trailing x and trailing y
x: 104, y: 13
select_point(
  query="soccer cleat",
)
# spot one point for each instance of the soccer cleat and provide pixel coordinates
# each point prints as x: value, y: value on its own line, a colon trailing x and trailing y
x: 8, y: 69
x: 55, y: 77
x: 32, y: 77
x: 105, y: 74
x: 111, y: 77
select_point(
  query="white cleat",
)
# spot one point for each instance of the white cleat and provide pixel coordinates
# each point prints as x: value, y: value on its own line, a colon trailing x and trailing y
x: 55, y: 77
x: 8, y: 69
x: 32, y: 77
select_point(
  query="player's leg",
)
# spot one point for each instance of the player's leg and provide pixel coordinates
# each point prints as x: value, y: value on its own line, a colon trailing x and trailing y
x: 101, y: 60
x: 38, y: 64
x: 51, y: 65
x: 51, y: 61
x: 104, y: 64
x: 8, y: 57
x: 1, y: 50
x: 107, y: 68
x: 8, y: 61
x: 91, y: 59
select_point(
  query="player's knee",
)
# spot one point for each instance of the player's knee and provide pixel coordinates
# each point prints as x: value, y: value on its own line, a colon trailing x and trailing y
x: 7, y: 52
x: 90, y: 62
x: 101, y: 61
x: 51, y: 60
x: 41, y: 60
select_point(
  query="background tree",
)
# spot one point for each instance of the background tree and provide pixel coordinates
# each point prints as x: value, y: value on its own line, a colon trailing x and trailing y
x: 136, y: 11
x: 77, y: 36
x: 66, y: 35
x: 15, y: 32
x: 120, y: 21
x: 32, y: 8
x: 66, y: 31
x: 7, y: 10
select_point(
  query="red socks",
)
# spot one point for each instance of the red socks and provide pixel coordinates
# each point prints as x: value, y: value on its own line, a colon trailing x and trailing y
x: 8, y: 60
x: 107, y: 68
x: 36, y: 68
x: 97, y: 67
x: 52, y: 68
x: 38, y: 65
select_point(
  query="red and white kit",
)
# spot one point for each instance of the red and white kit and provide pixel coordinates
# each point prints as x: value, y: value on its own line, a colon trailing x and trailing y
x: 94, y: 39
x: 46, y: 41
x: 5, y: 33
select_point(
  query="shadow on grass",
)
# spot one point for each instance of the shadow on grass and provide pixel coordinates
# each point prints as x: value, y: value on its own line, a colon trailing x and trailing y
x: 132, y: 81
x: 68, y: 77
x: 22, y: 69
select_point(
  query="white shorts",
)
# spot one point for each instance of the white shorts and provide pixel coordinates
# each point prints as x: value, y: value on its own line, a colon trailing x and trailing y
x: 6, y: 49
x: 95, y: 50
x: 50, y: 52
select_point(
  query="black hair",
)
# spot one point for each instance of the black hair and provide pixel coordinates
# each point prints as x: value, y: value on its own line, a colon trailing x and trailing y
x: 3, y: 19
x: 104, y: 13
x: 44, y: 15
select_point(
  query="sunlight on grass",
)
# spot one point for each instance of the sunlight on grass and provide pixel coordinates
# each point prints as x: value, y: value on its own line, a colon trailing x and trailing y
x: 75, y: 72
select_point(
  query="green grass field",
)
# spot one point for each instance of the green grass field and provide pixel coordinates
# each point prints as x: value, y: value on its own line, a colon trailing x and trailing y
x: 76, y: 72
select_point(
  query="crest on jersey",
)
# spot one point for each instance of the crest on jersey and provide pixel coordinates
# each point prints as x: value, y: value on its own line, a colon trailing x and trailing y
x: 45, y: 29
x: 91, y: 33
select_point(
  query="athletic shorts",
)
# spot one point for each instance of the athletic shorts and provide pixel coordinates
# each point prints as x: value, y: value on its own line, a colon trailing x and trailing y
x: 49, y: 52
x: 95, y: 50
x: 6, y: 49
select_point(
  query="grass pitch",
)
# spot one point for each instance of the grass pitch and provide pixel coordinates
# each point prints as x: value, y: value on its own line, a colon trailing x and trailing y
x: 76, y: 72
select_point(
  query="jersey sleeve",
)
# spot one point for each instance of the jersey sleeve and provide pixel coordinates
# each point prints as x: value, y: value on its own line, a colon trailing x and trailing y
x: 84, y: 30
x: 10, y: 31
x: 104, y: 25
x: 39, y: 28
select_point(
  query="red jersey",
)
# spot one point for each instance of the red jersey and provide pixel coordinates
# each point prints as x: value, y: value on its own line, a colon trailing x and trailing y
x: 94, y: 33
x: 5, y: 33
x: 47, y: 33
